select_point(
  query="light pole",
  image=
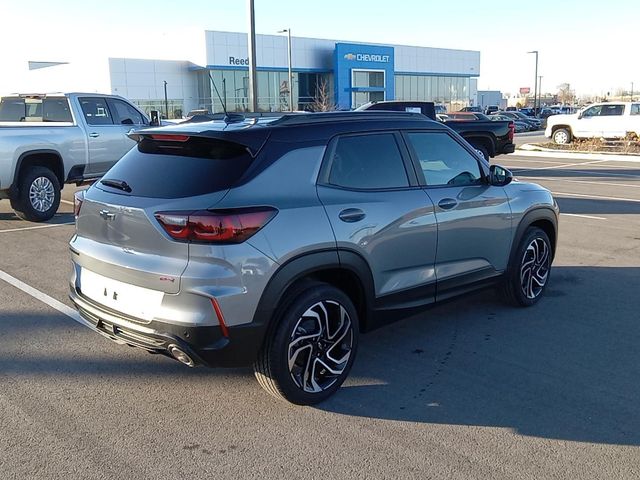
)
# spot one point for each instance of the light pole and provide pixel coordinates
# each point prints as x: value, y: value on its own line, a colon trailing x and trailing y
x: 535, y: 83
x: 288, y: 32
x: 166, y: 102
x: 253, y: 84
x: 540, y: 92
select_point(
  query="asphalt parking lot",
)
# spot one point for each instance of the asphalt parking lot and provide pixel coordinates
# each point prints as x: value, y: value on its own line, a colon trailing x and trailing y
x: 470, y: 389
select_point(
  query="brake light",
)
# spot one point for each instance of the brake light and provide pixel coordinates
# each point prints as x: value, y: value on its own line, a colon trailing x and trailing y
x: 512, y: 130
x: 78, y: 198
x: 218, y: 226
x: 170, y: 137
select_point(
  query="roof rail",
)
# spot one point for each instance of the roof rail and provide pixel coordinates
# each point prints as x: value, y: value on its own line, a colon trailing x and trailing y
x: 321, y: 117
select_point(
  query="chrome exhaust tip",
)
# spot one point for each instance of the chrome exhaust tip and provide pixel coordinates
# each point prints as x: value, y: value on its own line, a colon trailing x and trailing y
x: 181, y: 356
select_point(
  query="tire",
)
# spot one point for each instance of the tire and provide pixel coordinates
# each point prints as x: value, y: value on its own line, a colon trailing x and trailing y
x: 301, y: 340
x: 562, y: 136
x: 38, y: 195
x: 525, y: 286
x: 482, y: 150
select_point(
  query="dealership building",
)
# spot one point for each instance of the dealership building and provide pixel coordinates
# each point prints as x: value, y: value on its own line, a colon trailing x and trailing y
x: 332, y: 73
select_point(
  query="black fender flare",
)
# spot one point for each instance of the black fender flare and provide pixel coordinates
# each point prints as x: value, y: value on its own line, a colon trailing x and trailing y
x: 488, y: 141
x: 306, y: 265
x: 16, y: 173
x: 532, y: 216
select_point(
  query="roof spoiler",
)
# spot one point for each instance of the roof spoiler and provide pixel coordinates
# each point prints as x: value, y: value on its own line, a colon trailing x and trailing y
x: 253, y: 141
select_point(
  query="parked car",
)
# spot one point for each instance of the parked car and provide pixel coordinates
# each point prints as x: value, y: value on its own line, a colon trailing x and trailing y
x: 472, y: 108
x: 529, y: 112
x: 491, y: 109
x: 53, y: 139
x: 428, y: 109
x: 599, y: 120
x: 276, y: 243
x: 545, y: 113
x: 519, y: 126
x: 534, y: 123
x: 486, y: 137
x: 468, y: 116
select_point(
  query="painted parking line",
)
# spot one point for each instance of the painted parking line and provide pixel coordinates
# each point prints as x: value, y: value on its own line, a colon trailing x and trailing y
x: 37, y: 227
x: 596, y: 197
x: 578, y: 156
x: 68, y: 202
x: 583, y: 172
x: 531, y: 160
x: 592, y: 217
x: 563, y: 165
x: 43, y: 297
x: 587, y: 182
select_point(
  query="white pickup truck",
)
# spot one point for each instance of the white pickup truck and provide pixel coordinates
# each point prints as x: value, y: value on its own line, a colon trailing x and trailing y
x: 53, y: 139
x: 600, y: 120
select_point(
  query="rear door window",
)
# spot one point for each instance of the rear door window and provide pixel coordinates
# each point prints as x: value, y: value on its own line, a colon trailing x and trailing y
x: 612, y: 110
x: 96, y: 111
x: 177, y: 169
x: 368, y: 162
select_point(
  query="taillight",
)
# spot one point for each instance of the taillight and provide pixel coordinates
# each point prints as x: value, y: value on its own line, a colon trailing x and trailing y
x: 217, y: 226
x: 512, y: 130
x: 78, y: 198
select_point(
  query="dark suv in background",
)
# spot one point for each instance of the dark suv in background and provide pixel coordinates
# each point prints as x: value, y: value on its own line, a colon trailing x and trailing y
x: 276, y: 242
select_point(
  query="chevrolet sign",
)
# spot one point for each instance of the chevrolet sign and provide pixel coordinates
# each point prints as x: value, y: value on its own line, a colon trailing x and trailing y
x: 367, y: 57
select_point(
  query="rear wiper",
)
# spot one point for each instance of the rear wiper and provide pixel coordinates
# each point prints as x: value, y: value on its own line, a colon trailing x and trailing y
x: 119, y: 184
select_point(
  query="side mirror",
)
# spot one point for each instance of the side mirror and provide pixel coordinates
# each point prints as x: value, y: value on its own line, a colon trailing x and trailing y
x: 155, y: 118
x: 499, y: 176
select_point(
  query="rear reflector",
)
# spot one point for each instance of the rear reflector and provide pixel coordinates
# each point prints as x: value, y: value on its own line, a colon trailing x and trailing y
x: 218, y: 226
x: 223, y: 325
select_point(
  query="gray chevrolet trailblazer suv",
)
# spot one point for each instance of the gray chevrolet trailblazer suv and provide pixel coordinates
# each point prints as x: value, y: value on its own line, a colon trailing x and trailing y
x: 275, y: 242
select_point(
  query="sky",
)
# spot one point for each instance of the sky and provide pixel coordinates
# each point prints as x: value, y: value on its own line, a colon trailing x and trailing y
x: 592, y: 45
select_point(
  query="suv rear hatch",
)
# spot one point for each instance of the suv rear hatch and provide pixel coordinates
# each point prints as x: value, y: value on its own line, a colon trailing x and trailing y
x: 119, y: 238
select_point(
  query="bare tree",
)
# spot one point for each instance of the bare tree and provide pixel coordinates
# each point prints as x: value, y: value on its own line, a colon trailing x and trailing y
x: 565, y: 94
x: 323, y: 100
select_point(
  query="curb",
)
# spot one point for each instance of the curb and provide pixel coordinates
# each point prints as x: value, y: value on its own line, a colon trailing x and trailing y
x: 528, y: 150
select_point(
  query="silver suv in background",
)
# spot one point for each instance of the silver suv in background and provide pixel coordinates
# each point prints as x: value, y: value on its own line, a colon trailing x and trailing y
x: 277, y: 242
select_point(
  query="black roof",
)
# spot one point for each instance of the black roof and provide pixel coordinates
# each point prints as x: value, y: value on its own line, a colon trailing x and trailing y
x: 254, y: 132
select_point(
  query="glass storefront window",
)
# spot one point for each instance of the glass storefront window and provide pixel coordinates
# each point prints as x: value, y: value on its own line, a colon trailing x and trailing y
x: 453, y: 92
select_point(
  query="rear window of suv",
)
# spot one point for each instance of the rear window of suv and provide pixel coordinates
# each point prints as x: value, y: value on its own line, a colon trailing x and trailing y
x: 177, y: 169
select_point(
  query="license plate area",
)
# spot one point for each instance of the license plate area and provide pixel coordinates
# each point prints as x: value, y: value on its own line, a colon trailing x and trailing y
x: 131, y: 300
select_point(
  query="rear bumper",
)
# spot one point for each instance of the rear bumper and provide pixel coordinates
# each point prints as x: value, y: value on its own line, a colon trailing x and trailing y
x: 508, y: 148
x: 206, y: 345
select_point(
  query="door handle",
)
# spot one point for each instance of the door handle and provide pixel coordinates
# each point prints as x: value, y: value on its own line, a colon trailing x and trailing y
x: 94, y: 135
x: 351, y: 215
x: 447, y: 203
